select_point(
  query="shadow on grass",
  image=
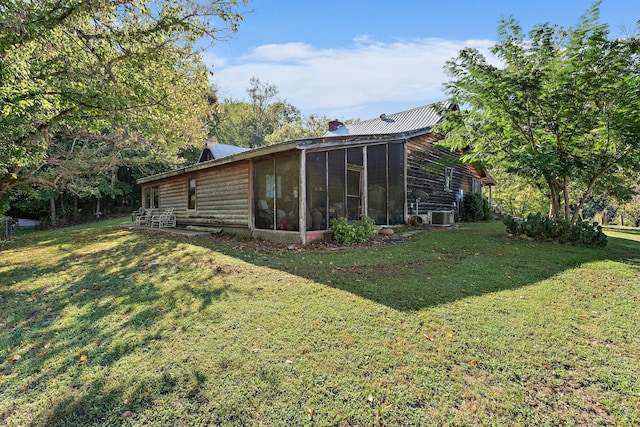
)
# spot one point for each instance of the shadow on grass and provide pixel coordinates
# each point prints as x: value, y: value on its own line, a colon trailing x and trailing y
x: 432, y: 267
x: 98, y: 308
x: 110, y: 304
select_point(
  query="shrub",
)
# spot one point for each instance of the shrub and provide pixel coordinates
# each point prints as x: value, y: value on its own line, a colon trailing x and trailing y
x: 540, y: 227
x: 474, y: 208
x: 356, y: 232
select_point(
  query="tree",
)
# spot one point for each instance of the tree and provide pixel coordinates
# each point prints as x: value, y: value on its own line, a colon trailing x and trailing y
x: 561, y: 110
x: 516, y: 196
x: 122, y: 73
x: 265, y: 120
x: 630, y: 212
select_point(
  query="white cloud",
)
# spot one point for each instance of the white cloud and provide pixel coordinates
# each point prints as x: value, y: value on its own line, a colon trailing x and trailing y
x: 346, y: 82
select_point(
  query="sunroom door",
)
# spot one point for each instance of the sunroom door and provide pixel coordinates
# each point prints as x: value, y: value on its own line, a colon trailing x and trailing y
x: 354, y: 193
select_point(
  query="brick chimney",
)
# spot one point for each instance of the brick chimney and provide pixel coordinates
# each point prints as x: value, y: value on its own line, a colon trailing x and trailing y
x: 334, y: 125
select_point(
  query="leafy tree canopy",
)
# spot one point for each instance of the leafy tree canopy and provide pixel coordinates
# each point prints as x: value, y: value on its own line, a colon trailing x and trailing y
x: 266, y: 119
x: 560, y: 110
x: 93, y: 73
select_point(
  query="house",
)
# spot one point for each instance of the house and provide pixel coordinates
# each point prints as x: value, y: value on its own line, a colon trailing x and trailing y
x: 387, y: 168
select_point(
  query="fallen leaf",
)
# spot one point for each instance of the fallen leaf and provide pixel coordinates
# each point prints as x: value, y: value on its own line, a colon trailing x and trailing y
x: 429, y: 338
x: 83, y: 358
x: 126, y: 415
x: 127, y: 401
x: 310, y: 414
x: 289, y: 361
x: 474, y: 362
x: 387, y: 405
x: 449, y: 335
x: 24, y: 389
x: 14, y: 358
x: 43, y: 353
x: 370, y: 398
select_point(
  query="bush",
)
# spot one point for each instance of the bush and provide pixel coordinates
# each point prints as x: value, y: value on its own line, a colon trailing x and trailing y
x: 356, y: 232
x: 540, y: 227
x: 474, y: 208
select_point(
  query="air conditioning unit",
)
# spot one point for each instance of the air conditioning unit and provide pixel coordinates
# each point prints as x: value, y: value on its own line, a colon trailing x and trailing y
x: 442, y: 218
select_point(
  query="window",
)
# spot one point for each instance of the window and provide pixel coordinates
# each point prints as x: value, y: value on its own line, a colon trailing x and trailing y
x: 336, y: 176
x: 151, y: 197
x: 317, y: 190
x: 448, y: 179
x: 377, y: 183
x: 396, y: 190
x: 385, y: 183
x: 191, y: 198
x: 275, y: 189
x: 476, y: 186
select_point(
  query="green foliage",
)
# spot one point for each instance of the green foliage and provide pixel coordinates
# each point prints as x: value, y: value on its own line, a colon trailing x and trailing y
x: 265, y: 120
x: 516, y: 195
x: 474, y: 208
x: 445, y: 161
x: 630, y: 212
x: 125, y: 74
x: 355, y: 231
x: 540, y: 227
x: 560, y: 110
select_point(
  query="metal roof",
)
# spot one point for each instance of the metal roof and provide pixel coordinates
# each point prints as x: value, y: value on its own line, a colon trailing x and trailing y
x: 219, y: 150
x: 406, y: 121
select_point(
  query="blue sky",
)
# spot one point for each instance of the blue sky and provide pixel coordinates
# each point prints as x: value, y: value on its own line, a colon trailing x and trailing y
x: 360, y: 58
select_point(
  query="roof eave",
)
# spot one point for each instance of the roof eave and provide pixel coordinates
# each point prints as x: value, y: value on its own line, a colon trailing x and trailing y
x: 246, y: 155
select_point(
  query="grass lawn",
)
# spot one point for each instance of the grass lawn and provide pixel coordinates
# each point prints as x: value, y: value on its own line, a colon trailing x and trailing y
x: 104, y: 326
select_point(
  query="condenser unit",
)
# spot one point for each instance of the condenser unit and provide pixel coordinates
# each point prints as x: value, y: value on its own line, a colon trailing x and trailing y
x: 442, y: 218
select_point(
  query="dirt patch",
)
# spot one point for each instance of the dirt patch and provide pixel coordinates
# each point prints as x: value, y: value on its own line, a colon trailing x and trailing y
x: 574, y: 402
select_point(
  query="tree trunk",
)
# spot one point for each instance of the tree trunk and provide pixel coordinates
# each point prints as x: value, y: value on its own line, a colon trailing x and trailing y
x: 54, y: 218
x: 554, y: 199
x: 98, y: 214
x: 565, y: 193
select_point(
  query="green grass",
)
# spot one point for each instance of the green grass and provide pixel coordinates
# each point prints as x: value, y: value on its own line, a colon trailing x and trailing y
x: 451, y: 327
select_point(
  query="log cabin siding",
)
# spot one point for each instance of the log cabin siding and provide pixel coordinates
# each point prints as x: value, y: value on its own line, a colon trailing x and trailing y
x: 426, y: 166
x: 222, y: 196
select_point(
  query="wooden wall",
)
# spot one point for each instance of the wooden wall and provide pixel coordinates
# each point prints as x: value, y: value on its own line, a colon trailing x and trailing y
x: 426, y: 171
x: 222, y: 196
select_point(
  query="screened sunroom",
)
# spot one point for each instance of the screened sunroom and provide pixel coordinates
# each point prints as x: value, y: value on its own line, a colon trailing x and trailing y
x: 341, y: 182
